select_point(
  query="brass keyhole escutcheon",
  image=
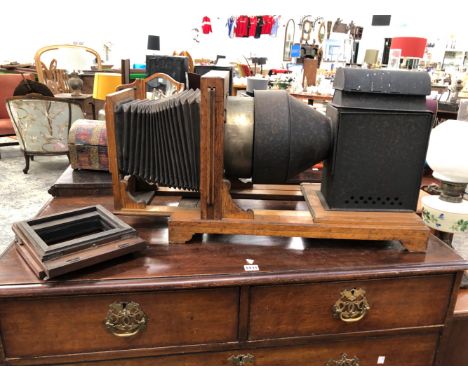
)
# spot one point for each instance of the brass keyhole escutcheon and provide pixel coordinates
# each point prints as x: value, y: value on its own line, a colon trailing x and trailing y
x: 242, y: 360
x: 125, y: 319
x: 344, y: 360
x: 352, y: 306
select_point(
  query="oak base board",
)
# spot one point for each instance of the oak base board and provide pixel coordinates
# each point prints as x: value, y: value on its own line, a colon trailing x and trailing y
x: 318, y: 223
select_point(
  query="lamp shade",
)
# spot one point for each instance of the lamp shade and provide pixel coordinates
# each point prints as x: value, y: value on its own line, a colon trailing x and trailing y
x: 105, y: 83
x: 410, y: 46
x: 371, y: 56
x: 446, y: 154
x: 153, y: 42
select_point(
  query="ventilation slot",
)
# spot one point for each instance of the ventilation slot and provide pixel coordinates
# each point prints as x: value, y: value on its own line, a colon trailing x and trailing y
x: 373, y: 201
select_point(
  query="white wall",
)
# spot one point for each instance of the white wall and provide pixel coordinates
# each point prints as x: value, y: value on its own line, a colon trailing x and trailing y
x: 32, y: 25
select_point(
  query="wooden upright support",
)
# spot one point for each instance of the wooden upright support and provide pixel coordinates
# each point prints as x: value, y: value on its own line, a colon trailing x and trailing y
x: 211, y: 145
x: 111, y: 102
x: 215, y: 199
x: 125, y: 70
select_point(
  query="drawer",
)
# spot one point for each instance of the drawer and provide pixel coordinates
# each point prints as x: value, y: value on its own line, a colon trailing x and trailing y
x: 415, y: 349
x: 307, y: 309
x: 66, y: 325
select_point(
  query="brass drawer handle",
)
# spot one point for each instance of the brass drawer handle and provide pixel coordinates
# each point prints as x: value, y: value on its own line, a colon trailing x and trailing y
x: 125, y: 319
x: 343, y: 361
x: 242, y: 360
x: 352, y: 305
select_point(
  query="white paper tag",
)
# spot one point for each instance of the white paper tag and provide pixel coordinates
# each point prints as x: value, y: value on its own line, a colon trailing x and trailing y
x: 251, y: 268
x: 381, y: 360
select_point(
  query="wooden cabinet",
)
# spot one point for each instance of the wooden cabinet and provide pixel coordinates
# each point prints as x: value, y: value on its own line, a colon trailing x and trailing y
x: 392, y: 303
x: 391, y: 351
x: 312, y: 302
x: 63, y: 325
x: 454, y: 350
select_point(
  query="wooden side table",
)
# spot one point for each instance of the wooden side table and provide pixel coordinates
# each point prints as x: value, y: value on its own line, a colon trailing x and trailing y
x: 81, y: 183
x: 84, y: 100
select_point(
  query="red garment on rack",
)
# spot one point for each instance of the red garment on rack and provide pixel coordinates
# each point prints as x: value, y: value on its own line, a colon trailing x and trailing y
x: 268, y: 22
x: 253, y: 26
x: 241, y: 26
x: 206, y: 25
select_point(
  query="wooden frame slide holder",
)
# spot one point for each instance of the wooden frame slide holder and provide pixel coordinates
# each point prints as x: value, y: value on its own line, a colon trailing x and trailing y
x: 64, y: 242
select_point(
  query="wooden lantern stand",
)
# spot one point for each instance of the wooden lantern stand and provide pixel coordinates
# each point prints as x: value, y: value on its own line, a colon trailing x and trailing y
x: 217, y: 211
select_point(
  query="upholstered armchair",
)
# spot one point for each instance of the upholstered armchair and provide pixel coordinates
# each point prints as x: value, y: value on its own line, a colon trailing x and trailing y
x: 42, y: 124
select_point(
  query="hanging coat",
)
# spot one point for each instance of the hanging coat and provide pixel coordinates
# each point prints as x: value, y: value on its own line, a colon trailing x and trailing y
x: 206, y: 25
x: 241, y: 29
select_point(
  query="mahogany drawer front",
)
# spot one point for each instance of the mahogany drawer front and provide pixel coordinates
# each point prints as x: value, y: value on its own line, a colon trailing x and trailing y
x: 69, y: 325
x: 306, y: 309
x: 413, y: 349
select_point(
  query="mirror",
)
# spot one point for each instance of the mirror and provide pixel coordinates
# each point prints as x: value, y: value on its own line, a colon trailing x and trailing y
x: 307, y: 27
x: 321, y: 32
x: 288, y: 39
x: 329, y: 28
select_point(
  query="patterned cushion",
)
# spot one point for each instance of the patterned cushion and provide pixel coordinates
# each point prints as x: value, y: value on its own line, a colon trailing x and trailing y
x: 87, y: 143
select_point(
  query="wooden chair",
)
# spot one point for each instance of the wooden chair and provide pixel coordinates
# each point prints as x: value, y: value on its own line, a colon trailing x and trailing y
x: 54, y: 77
x: 140, y: 84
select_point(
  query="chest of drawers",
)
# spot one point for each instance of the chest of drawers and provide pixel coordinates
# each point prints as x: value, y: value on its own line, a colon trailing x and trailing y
x: 312, y: 302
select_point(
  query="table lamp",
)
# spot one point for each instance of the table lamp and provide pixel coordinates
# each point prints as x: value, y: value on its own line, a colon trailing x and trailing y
x: 446, y: 156
x: 260, y: 61
x: 153, y: 42
x: 371, y: 57
x: 104, y: 84
x: 412, y: 49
